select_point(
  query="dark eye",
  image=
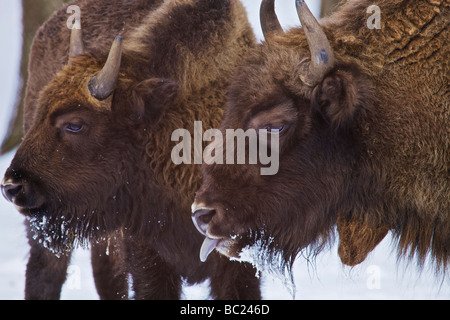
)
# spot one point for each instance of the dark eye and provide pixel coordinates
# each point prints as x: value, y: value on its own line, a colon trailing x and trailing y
x: 73, y: 128
x: 271, y: 128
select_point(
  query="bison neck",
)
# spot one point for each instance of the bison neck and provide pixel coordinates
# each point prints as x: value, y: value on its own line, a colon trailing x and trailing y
x: 410, y: 32
x: 405, y: 134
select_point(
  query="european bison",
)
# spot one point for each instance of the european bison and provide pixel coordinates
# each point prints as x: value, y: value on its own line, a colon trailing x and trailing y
x: 362, y: 116
x: 95, y: 166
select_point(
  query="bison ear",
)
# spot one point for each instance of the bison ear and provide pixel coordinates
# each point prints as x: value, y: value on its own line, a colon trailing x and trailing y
x: 146, y: 101
x: 151, y: 97
x: 338, y: 96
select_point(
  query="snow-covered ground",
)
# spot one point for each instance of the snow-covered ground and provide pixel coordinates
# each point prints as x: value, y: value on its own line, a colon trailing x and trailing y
x: 379, y: 277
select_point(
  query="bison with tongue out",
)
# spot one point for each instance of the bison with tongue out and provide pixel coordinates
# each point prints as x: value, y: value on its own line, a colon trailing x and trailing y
x: 95, y: 162
x: 364, y: 141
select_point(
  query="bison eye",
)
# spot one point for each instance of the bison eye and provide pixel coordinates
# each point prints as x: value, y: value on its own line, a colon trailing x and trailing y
x: 73, y: 128
x: 271, y: 128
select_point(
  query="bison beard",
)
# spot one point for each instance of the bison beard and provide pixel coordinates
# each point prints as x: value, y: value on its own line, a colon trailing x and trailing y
x: 365, y: 139
x: 57, y: 234
x: 94, y: 166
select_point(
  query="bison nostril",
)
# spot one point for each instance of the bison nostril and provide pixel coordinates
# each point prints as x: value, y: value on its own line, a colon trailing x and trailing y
x: 11, y: 190
x: 206, y: 216
x: 201, y: 218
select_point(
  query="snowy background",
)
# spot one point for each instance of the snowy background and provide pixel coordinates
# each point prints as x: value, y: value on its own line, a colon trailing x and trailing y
x: 379, y: 277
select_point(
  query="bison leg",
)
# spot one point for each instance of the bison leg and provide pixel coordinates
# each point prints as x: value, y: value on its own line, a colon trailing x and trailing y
x: 45, y: 273
x: 153, y: 278
x: 357, y: 240
x: 111, y: 280
x: 235, y: 281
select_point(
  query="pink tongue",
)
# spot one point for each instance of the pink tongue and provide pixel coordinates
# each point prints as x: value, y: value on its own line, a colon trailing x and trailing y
x: 207, y: 247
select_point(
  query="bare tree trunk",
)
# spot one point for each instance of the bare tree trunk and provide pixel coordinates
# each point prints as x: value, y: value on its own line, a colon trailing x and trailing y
x: 34, y: 14
x: 329, y: 6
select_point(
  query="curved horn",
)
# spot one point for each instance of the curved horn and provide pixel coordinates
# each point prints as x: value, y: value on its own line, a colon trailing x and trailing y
x: 103, y: 84
x: 322, y: 56
x: 76, y: 40
x: 268, y: 17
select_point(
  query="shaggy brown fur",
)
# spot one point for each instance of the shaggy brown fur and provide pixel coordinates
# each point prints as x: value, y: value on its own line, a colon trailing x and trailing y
x: 370, y: 141
x: 113, y: 183
x: 357, y: 240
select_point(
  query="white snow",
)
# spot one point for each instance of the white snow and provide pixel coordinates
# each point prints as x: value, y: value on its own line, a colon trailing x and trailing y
x: 379, y: 277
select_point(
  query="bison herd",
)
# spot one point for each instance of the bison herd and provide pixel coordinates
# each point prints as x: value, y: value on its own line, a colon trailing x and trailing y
x: 360, y: 117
